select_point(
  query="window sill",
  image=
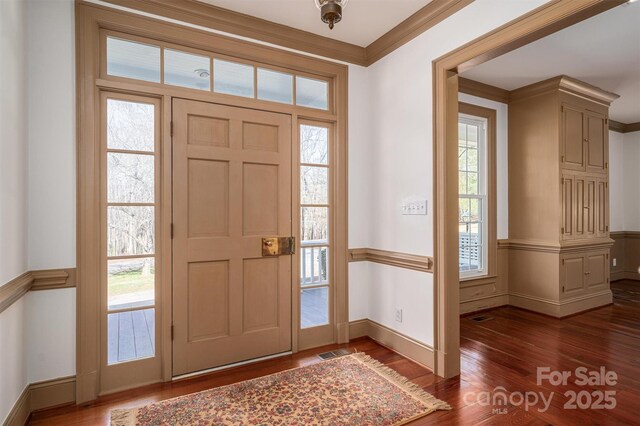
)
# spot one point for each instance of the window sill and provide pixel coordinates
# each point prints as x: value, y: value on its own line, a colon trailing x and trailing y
x: 476, y: 277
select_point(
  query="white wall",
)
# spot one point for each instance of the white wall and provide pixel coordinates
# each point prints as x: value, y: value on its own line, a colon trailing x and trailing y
x: 13, y: 365
x: 13, y: 196
x: 616, y: 181
x: 50, y: 338
x: 50, y: 315
x: 359, y: 187
x: 502, y: 160
x: 401, y: 164
x: 624, y: 180
x: 631, y: 142
x: 13, y: 140
x: 52, y: 145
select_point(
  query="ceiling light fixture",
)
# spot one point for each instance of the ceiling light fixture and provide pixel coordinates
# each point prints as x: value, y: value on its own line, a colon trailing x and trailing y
x: 331, y: 11
x: 202, y: 73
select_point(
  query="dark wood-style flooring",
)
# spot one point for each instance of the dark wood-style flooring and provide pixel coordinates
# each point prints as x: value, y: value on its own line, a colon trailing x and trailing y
x: 503, y: 351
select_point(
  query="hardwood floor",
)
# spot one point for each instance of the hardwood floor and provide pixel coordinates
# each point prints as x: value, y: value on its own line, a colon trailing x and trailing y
x: 131, y: 333
x: 504, y: 350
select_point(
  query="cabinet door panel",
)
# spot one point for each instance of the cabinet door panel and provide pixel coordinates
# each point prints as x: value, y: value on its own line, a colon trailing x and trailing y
x: 596, y: 273
x: 568, y: 209
x: 589, y: 208
x: 602, y: 207
x: 573, y: 273
x: 597, y: 133
x: 580, y: 192
x: 573, y: 154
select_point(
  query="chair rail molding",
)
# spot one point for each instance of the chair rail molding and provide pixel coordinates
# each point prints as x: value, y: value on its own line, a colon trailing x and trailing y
x: 47, y: 279
x: 392, y: 258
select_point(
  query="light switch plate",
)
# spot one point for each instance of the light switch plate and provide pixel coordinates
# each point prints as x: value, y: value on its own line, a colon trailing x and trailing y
x: 414, y: 207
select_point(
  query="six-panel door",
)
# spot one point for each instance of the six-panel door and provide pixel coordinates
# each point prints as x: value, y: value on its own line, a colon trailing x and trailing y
x: 231, y: 187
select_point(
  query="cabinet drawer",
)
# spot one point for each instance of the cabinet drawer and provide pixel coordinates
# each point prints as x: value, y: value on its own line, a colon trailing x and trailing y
x: 477, y: 291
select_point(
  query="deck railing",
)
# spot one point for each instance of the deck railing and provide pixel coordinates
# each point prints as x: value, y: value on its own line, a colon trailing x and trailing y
x: 314, y: 263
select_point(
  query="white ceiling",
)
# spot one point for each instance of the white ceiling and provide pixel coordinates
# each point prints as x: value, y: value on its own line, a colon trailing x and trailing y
x: 363, y: 21
x: 603, y: 51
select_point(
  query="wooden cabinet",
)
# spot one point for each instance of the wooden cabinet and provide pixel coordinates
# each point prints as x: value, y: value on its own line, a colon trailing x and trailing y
x: 568, y: 228
x: 559, y: 196
x: 573, y: 146
x: 585, y: 206
x: 584, y: 272
x: 572, y: 274
x: 602, y: 206
x: 597, y: 142
x: 584, y: 139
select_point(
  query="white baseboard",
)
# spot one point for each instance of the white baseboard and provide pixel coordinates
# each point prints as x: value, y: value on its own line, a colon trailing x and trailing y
x: 398, y: 342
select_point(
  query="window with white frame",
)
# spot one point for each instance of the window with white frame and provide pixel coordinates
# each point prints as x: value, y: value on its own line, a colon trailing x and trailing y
x: 472, y: 189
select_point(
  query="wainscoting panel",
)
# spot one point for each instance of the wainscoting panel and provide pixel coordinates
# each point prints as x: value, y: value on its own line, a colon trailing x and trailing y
x: 626, y: 251
x: 487, y: 292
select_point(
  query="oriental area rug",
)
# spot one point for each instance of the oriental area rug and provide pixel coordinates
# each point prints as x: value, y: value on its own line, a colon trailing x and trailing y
x: 350, y: 390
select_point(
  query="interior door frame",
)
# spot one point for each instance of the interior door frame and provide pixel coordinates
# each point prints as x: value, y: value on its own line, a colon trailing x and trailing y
x: 92, y: 22
x: 540, y: 22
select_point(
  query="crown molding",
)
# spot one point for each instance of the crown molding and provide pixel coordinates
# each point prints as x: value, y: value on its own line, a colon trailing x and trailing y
x: 566, y: 84
x: 427, y: 17
x: 220, y: 19
x: 483, y: 90
x: 619, y: 127
x: 216, y: 18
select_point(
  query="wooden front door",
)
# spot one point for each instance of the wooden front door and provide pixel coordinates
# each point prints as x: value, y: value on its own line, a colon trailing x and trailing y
x: 231, y: 187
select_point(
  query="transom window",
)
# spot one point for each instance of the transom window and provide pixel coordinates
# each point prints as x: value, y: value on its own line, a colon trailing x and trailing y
x: 472, y: 189
x: 201, y: 71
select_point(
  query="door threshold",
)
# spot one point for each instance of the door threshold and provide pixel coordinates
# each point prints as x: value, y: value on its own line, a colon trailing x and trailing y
x: 228, y: 366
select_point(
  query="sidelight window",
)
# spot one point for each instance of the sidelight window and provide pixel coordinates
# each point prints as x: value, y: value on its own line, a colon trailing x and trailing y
x: 315, y: 277
x: 130, y: 220
x: 472, y: 188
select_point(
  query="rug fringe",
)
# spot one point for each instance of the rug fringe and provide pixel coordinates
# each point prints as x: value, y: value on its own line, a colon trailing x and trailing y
x: 402, y: 382
x: 123, y: 417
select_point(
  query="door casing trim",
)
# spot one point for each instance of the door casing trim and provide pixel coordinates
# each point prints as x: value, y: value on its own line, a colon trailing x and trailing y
x: 91, y: 20
x: 540, y: 22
